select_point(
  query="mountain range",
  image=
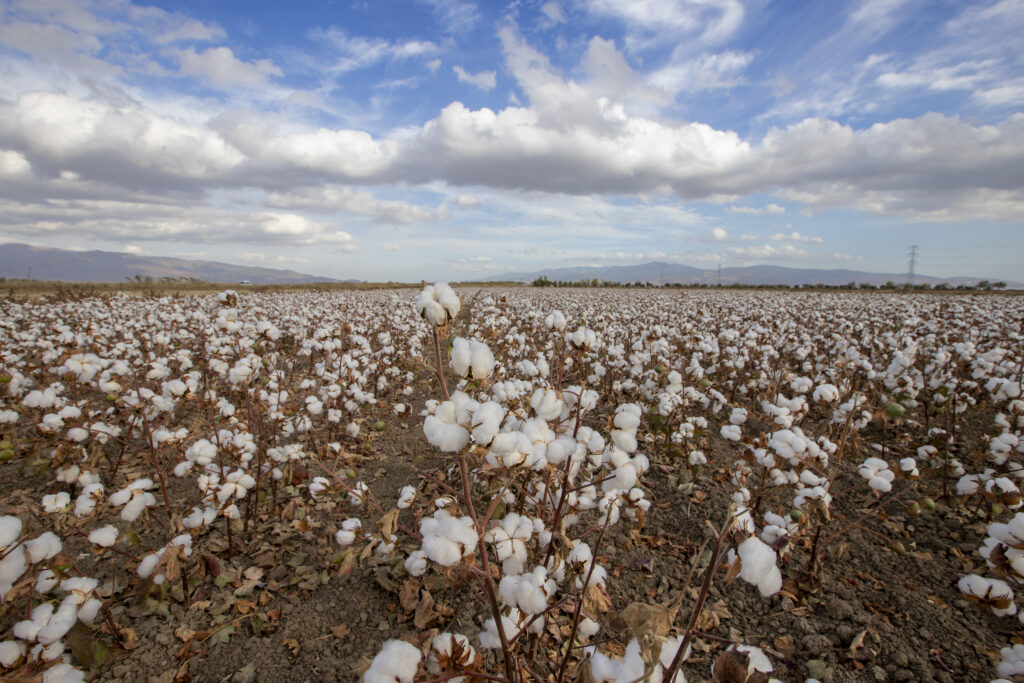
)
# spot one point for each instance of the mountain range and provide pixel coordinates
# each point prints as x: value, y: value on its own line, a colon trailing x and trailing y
x: 659, y: 273
x: 20, y: 261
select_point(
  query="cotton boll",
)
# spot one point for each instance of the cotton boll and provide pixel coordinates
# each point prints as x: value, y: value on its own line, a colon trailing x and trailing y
x: 397, y: 662
x: 731, y: 432
x: 43, y: 548
x: 405, y: 497
x: 447, y: 539
x: 104, y: 536
x: 46, y: 581
x: 10, y: 529
x: 546, y: 404
x: 758, y: 566
x: 416, y: 563
x: 10, y: 652
x: 486, y: 422
x: 450, y: 651
x: 63, y: 673
x: 489, y: 638
x: 344, y: 538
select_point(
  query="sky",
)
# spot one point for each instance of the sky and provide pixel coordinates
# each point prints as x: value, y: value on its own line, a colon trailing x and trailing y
x: 452, y: 139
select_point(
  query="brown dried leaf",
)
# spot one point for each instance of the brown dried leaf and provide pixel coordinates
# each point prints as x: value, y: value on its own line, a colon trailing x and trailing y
x: 388, y: 524
x: 643, y: 619
x: 595, y: 601
x: 293, y: 646
x: 340, y: 631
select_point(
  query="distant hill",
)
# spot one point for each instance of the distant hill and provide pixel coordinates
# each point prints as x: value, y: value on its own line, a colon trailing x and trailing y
x: 659, y: 273
x: 16, y: 260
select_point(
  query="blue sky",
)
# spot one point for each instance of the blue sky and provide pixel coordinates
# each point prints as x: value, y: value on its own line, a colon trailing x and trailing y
x: 456, y: 139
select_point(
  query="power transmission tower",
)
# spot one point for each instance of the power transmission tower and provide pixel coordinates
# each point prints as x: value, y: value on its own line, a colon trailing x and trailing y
x: 911, y: 263
x: 719, y: 273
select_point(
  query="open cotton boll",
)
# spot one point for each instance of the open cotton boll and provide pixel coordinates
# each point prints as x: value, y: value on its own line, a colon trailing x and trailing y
x: 826, y: 393
x: 486, y: 421
x: 450, y: 651
x: 43, y: 547
x: 758, y: 566
x: 10, y: 529
x: 528, y: 592
x: 405, y: 497
x: 447, y: 539
x: 397, y: 662
x: 104, y: 536
x: 416, y: 563
x: 509, y: 449
x: 10, y: 652
x: 546, y: 404
x: 731, y: 432
x: 63, y: 672
x: 1011, y: 663
x: 489, y: 638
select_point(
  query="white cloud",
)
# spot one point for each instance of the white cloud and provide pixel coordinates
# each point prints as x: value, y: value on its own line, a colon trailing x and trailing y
x: 704, y: 72
x: 797, y: 237
x: 219, y: 66
x: 465, y: 201
x: 358, y: 52
x: 719, y: 234
x: 658, y: 21
x: 485, y: 80
x: 768, y: 209
x: 768, y: 251
x: 552, y: 12
x: 337, y: 198
x: 454, y: 16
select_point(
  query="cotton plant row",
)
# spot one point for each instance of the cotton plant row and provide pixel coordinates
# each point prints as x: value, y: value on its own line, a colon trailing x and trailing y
x: 106, y: 392
x: 555, y: 477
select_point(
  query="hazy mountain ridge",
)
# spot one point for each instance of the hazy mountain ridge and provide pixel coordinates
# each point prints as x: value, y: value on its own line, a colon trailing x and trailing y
x: 18, y: 261
x: 659, y: 273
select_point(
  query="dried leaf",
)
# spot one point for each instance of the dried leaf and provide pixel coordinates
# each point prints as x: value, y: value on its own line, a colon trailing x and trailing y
x: 595, y: 601
x: 388, y: 524
x: 340, y: 631
x: 293, y: 646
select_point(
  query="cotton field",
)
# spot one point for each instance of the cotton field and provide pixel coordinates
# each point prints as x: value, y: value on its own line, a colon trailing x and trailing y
x: 515, y: 484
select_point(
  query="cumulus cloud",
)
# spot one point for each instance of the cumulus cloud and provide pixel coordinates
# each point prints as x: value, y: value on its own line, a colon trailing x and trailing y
x: 485, y: 80
x: 219, y: 66
x: 552, y: 12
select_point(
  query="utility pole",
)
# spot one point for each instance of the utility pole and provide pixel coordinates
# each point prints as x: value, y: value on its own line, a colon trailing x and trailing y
x: 911, y: 263
x: 719, y: 272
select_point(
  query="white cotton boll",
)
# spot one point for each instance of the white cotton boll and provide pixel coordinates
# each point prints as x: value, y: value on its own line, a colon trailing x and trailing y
x: 56, y: 502
x: 46, y: 580
x: 148, y: 564
x: 826, y: 393
x: 1012, y: 662
x: 43, y: 548
x: 104, y: 536
x: 603, y: 668
x: 77, y: 434
x: 623, y: 440
x: 758, y: 566
x: 489, y: 638
x: 445, y: 436
x: 397, y: 662
x: 88, y: 611
x: 697, y: 458
x: 10, y: 652
x: 405, y: 497
x: 588, y: 627
x: 486, y: 422
x: 461, y: 356
x: 416, y: 563
x: 12, y: 566
x: 880, y: 484
x: 555, y: 320
x: 318, y: 486
x: 738, y: 416
x: 344, y: 538
x: 63, y: 673
x: 732, y: 432
x: 447, y: 539
x: 546, y: 404
x: 758, y: 660
x: 443, y: 646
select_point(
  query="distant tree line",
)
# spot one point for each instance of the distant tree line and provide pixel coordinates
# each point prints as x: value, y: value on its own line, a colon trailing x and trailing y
x: 982, y: 285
